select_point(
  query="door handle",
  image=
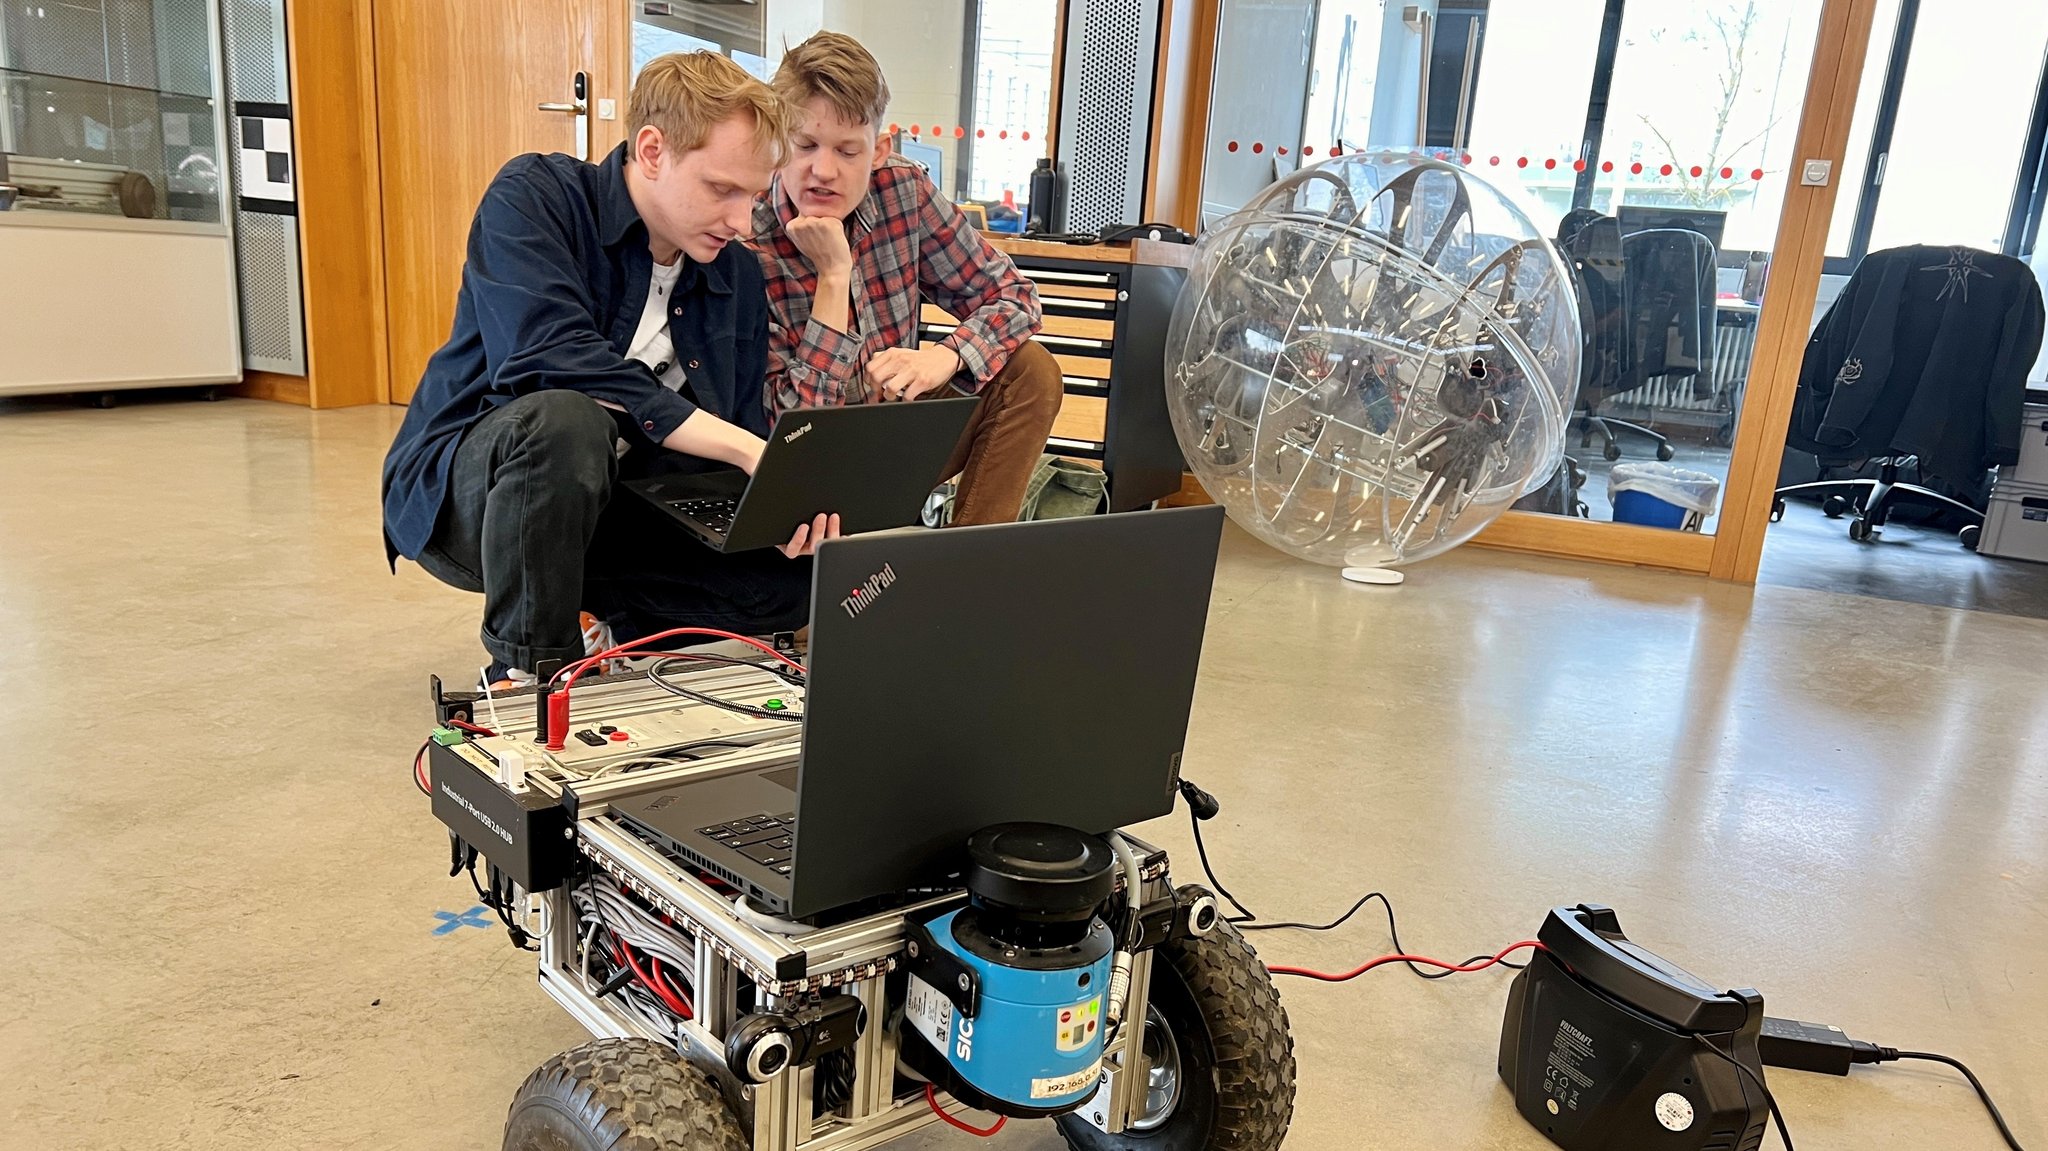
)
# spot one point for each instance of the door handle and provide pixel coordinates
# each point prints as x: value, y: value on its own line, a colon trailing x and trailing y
x: 1422, y: 83
x: 1461, y: 135
x: 579, y: 108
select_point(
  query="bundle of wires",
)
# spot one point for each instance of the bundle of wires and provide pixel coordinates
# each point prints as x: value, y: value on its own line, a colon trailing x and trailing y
x: 648, y: 961
x: 633, y: 649
x: 562, y: 681
x: 667, y: 664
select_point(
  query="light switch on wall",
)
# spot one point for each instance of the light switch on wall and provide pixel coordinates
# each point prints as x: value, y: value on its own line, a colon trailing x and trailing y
x: 607, y: 109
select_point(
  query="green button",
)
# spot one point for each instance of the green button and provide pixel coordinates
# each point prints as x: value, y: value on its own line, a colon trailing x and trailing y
x: 775, y: 705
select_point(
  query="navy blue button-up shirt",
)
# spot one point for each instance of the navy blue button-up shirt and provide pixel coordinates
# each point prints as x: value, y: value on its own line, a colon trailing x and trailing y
x: 552, y: 291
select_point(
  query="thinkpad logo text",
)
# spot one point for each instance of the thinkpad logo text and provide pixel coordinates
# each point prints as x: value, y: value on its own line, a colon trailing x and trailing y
x: 858, y: 600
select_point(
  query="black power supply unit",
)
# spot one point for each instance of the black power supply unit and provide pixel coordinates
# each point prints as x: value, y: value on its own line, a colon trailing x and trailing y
x: 1608, y: 1047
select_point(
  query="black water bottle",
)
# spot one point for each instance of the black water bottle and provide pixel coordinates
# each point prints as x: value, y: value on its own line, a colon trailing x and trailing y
x: 1048, y: 213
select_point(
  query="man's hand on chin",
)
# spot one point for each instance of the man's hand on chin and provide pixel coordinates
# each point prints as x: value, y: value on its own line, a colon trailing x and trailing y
x: 903, y: 374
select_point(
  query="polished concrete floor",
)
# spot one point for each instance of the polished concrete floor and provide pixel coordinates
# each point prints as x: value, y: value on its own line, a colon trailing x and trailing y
x: 1909, y: 563
x: 221, y: 889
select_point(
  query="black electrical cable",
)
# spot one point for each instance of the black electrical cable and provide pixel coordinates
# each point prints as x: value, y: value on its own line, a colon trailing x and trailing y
x: 835, y: 1080
x: 1246, y: 921
x: 679, y: 986
x: 775, y: 668
x: 618, y: 979
x: 1393, y: 931
x: 507, y: 900
x: 657, y: 676
x: 500, y: 904
x: 1996, y: 1117
x: 1202, y: 850
x: 1769, y: 1099
x: 687, y: 752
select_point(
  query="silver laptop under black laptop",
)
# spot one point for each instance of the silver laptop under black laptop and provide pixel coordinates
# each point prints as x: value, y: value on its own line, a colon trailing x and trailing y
x: 960, y: 678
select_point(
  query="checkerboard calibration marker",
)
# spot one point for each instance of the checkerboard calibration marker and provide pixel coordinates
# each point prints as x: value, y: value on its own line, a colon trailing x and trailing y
x: 266, y: 176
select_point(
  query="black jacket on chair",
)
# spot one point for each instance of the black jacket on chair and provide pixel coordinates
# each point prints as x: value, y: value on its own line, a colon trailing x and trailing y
x: 1671, y: 306
x: 1925, y: 353
x: 1591, y: 245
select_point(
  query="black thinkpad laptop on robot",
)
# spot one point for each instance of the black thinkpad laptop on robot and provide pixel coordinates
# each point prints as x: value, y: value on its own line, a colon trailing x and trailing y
x: 960, y: 678
x: 873, y: 464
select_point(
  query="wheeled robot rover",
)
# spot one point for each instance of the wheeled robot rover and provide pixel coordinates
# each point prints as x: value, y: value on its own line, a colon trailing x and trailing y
x: 1063, y: 976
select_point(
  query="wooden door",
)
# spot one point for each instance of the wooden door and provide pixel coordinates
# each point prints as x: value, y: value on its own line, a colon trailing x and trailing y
x: 458, y: 88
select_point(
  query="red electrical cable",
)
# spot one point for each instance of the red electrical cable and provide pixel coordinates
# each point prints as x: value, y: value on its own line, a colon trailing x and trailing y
x: 558, y: 705
x: 419, y: 762
x: 931, y: 1096
x: 624, y: 951
x: 668, y: 980
x: 1422, y: 959
x: 574, y: 670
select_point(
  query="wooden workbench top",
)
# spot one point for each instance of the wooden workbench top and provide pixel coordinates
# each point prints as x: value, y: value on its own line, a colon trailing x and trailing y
x: 1154, y: 253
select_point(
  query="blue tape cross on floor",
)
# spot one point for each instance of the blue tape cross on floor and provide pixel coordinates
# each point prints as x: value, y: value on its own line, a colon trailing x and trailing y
x: 478, y: 916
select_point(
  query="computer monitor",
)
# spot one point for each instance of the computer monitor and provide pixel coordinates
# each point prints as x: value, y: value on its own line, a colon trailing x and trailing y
x: 1708, y: 222
x: 930, y: 157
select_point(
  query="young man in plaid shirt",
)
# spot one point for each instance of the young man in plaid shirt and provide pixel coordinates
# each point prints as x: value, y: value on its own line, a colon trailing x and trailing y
x: 852, y: 240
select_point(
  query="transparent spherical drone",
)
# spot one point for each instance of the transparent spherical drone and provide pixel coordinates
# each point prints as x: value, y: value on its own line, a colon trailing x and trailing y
x: 1372, y: 360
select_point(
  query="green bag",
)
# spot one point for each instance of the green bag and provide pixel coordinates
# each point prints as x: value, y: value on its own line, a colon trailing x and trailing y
x: 1058, y: 489
x: 1062, y: 488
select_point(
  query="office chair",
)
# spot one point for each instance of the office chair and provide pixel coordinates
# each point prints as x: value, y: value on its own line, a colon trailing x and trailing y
x: 1921, y: 360
x: 1591, y: 246
x: 1873, y: 500
x: 1624, y: 346
x: 1591, y: 425
x: 1669, y: 319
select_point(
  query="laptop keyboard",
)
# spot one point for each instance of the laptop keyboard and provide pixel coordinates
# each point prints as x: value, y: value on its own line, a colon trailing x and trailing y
x: 716, y: 514
x: 765, y: 839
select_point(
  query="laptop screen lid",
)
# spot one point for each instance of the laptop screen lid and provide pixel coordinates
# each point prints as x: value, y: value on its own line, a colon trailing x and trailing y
x: 970, y: 676
x: 873, y: 464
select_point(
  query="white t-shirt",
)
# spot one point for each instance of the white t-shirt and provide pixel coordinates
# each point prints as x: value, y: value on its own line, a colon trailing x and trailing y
x: 651, y: 343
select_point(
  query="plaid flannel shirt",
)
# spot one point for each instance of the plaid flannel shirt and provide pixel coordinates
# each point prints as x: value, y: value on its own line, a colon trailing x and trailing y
x: 910, y: 246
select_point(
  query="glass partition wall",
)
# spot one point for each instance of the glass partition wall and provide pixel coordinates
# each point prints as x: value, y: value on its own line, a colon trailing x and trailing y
x: 971, y: 84
x: 107, y: 108
x: 1676, y: 150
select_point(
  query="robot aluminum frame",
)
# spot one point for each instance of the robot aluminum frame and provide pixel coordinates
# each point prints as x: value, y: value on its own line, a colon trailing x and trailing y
x: 854, y: 958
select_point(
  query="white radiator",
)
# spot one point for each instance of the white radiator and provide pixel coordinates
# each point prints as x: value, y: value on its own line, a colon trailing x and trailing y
x: 1734, y: 346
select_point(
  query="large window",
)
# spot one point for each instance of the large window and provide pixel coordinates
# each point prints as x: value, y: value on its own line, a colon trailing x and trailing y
x: 1346, y: 59
x: 1679, y: 107
x: 1012, y: 100
x: 1535, y: 69
x: 1701, y: 116
x: 1944, y: 169
x: 970, y: 84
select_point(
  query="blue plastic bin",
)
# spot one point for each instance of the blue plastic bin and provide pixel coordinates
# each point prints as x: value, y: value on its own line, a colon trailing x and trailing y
x: 1649, y: 511
x: 1661, y: 496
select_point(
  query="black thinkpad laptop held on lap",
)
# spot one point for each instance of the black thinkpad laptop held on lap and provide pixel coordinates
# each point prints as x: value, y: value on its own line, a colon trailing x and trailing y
x: 872, y: 464
x: 960, y: 678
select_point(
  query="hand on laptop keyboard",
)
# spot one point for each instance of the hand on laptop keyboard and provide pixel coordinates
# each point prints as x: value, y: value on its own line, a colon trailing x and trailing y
x: 809, y: 536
